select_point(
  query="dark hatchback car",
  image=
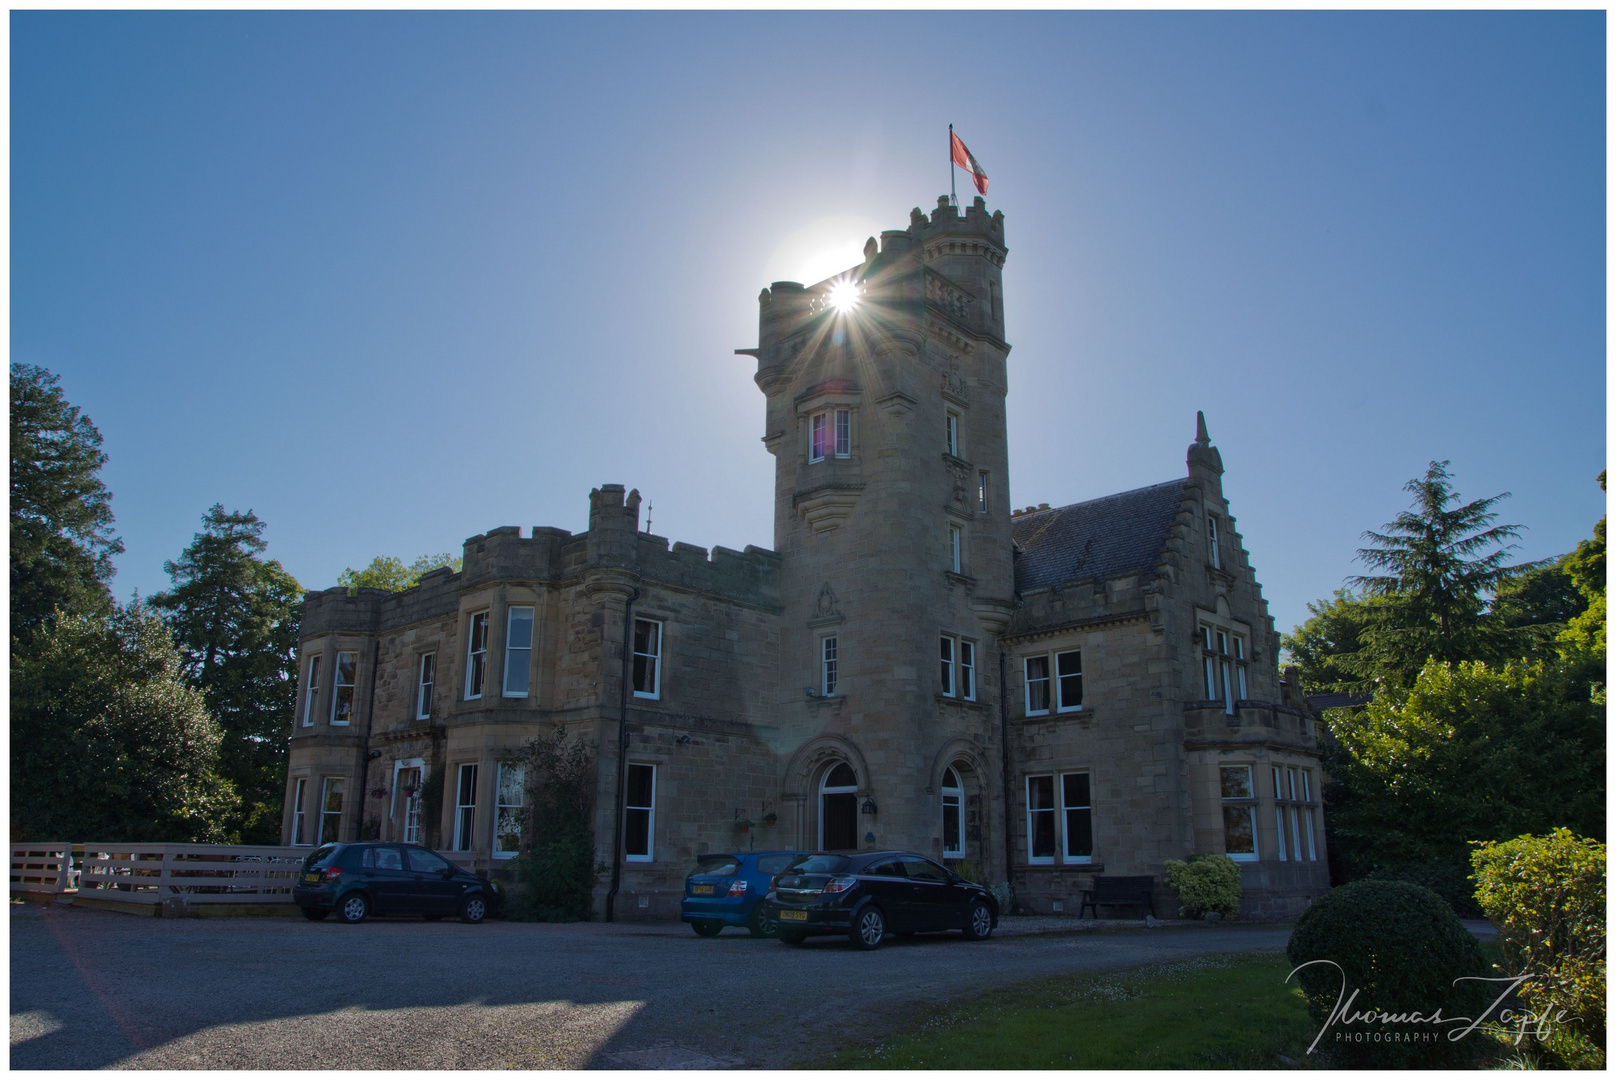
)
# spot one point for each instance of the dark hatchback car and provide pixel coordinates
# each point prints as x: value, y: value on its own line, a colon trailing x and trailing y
x: 728, y: 890
x: 871, y: 894
x: 359, y: 880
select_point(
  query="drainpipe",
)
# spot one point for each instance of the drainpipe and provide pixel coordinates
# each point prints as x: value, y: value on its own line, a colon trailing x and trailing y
x: 622, y: 752
x: 1004, y: 770
x: 370, y: 724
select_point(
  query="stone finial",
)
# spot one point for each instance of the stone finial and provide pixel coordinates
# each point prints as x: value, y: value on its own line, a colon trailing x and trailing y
x: 1201, y: 452
x: 917, y: 218
x: 870, y: 248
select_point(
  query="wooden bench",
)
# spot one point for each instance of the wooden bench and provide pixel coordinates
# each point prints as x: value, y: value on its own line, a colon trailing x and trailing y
x: 1118, y: 892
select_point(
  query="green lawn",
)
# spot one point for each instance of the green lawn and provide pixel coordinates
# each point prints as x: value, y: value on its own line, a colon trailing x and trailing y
x: 1213, y: 1012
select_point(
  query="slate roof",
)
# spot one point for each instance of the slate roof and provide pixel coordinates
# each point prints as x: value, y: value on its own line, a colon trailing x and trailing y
x: 1102, y: 538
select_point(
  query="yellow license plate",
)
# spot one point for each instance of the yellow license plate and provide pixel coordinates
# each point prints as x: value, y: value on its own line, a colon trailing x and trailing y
x: 794, y: 916
x: 701, y: 890
x: 311, y: 879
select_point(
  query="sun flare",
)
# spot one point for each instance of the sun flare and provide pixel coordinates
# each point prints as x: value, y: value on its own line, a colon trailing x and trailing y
x: 844, y: 295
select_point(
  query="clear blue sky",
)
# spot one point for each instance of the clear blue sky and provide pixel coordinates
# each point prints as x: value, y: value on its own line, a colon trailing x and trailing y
x: 391, y: 280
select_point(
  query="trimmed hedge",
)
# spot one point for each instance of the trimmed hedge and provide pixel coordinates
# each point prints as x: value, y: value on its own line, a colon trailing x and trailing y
x: 1401, y: 947
x: 1205, y: 883
x: 1546, y: 895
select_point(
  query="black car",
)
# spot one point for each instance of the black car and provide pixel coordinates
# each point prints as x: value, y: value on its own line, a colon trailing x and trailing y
x: 358, y: 880
x: 871, y: 894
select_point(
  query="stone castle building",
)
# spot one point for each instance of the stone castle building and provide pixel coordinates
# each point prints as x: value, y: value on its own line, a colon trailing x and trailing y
x: 1047, y: 694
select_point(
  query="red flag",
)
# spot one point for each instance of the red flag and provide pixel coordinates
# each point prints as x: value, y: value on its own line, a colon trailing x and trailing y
x: 963, y: 158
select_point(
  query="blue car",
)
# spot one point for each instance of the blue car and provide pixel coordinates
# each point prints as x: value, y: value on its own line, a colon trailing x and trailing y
x: 725, y: 890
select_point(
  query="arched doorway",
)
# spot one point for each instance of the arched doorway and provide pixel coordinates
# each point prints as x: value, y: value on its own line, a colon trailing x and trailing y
x: 953, y: 815
x: 838, y: 809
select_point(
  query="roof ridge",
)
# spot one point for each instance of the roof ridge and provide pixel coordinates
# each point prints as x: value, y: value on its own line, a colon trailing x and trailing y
x: 1179, y: 481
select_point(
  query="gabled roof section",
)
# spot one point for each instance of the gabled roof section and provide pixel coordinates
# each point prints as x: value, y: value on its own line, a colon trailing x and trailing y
x: 1102, y: 538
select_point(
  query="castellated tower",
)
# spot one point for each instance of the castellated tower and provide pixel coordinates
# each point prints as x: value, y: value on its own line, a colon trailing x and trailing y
x: 886, y: 417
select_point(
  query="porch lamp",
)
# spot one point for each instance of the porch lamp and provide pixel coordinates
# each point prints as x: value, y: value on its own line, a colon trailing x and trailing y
x: 869, y: 806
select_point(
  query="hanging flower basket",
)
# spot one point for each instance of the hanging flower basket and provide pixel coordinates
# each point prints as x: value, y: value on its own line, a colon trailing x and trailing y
x: 770, y: 818
x: 743, y: 824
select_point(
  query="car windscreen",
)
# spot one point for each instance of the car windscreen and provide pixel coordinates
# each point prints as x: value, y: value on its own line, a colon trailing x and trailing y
x: 717, y: 866
x: 319, y: 856
x: 775, y: 864
x: 820, y: 864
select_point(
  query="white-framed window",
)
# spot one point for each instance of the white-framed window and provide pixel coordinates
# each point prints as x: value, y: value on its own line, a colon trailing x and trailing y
x: 1308, y: 812
x: 967, y: 670
x: 827, y: 666
x: 1239, y: 813
x: 981, y: 493
x: 1223, y: 665
x: 945, y: 653
x: 830, y: 432
x: 1041, y: 819
x: 407, y: 778
x: 1077, y: 818
x: 954, y: 548
x: 639, y: 813
x: 818, y: 436
x: 844, y: 433
x: 1069, y: 680
x: 1212, y: 542
x: 476, y: 655
x: 953, y: 803
x: 312, y: 694
x: 465, y: 831
x: 330, y: 811
x: 518, y: 650
x: 1037, y: 669
x: 508, y: 802
x: 647, y: 658
x: 1067, y: 691
x: 299, y: 793
x: 425, y: 674
x: 953, y: 434
x: 342, y: 689
x: 1293, y: 803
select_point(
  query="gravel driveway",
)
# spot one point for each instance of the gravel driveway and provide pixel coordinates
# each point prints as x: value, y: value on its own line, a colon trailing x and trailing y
x: 93, y: 989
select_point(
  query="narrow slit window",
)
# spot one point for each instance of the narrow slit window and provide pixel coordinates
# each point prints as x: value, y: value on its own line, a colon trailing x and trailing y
x: 1212, y: 541
x: 953, y: 835
x: 953, y: 434
x: 827, y: 666
x: 330, y: 811
x: 299, y: 793
x: 946, y: 654
x: 954, y: 548
x: 967, y: 670
x: 981, y: 493
x: 844, y: 433
x: 819, y: 437
x: 508, y: 810
x: 1077, y: 817
x: 465, y: 835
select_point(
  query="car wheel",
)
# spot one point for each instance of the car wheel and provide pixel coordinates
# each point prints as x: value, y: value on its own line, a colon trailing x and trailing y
x: 706, y: 927
x: 353, y: 908
x: 979, y: 923
x: 792, y: 937
x: 315, y: 914
x: 869, y: 928
x: 761, y: 925
x: 473, y: 910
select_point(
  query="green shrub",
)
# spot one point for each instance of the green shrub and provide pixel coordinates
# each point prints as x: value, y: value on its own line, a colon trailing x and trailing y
x: 1205, y: 883
x: 1546, y: 895
x: 555, y: 868
x: 1401, y: 947
x: 1447, y: 879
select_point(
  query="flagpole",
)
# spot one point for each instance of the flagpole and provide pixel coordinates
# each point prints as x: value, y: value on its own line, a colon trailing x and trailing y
x: 953, y: 196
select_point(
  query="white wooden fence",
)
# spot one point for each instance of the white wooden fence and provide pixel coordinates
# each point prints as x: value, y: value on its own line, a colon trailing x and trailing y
x: 152, y: 873
x: 41, y: 868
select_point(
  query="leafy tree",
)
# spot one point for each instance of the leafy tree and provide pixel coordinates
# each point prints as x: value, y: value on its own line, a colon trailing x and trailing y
x: 1536, y: 605
x: 235, y: 618
x: 1439, y: 565
x: 61, y: 514
x: 556, y: 863
x: 1582, y: 642
x: 386, y: 572
x: 1332, y: 631
x: 108, y: 742
x: 1471, y: 752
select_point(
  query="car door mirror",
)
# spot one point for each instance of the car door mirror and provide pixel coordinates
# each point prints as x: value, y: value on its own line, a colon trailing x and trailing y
x: 953, y: 878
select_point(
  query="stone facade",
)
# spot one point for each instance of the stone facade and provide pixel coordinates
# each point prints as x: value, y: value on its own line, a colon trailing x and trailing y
x: 876, y: 679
